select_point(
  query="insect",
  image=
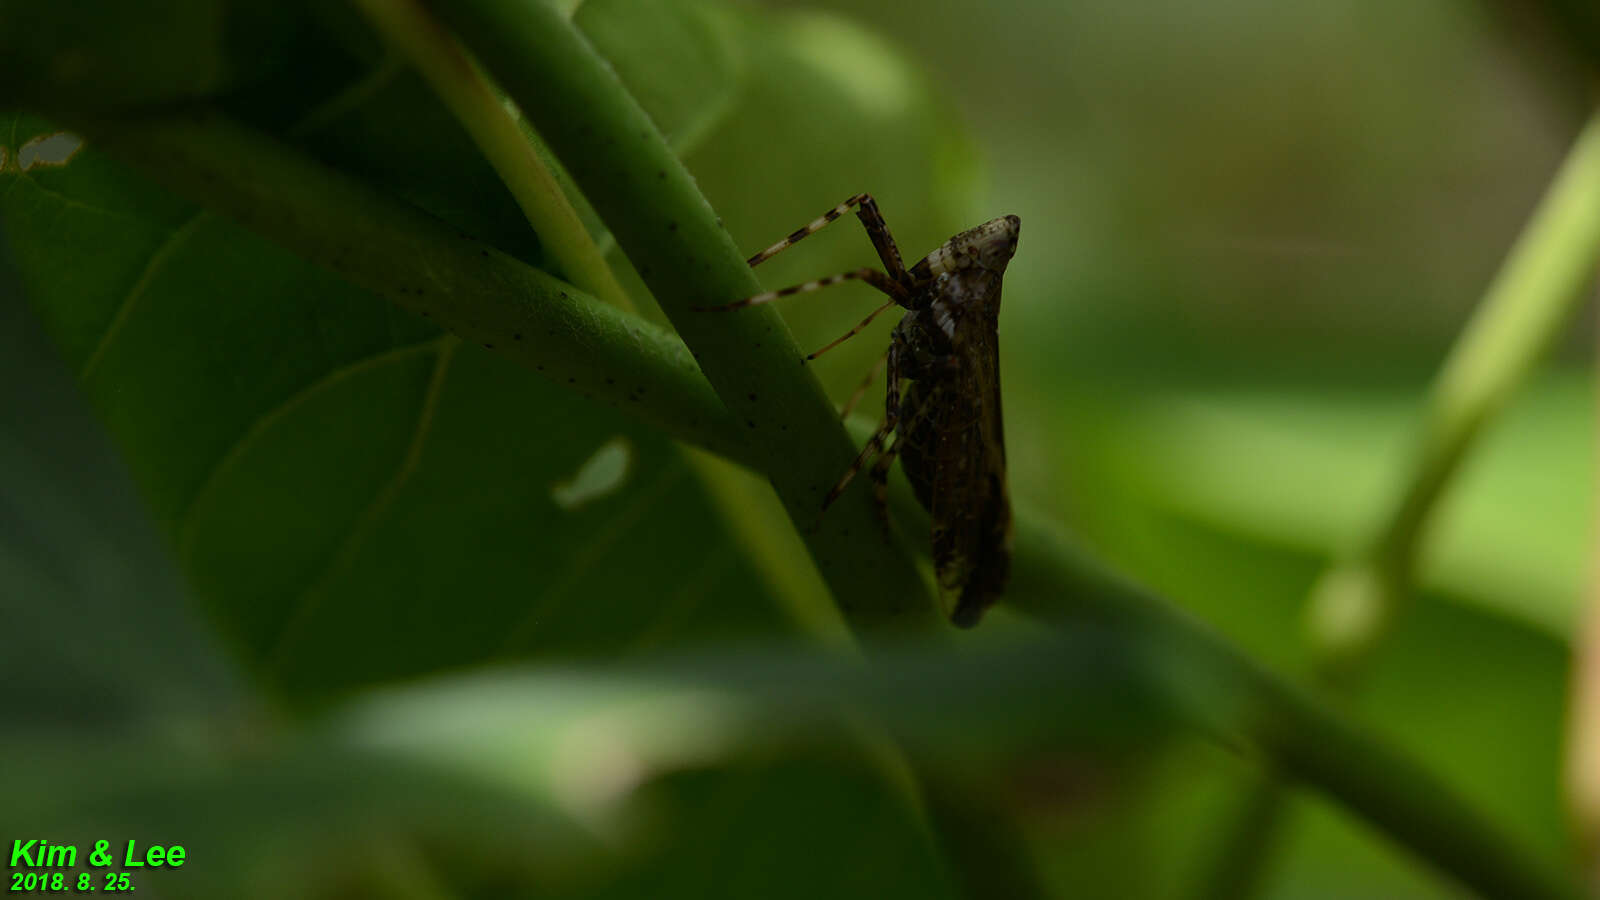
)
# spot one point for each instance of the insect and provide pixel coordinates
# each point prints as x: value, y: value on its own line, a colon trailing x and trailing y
x: 943, y: 399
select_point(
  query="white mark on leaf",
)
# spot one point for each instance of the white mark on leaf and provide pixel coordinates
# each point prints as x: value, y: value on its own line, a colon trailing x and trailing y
x: 602, y: 474
x: 48, y: 150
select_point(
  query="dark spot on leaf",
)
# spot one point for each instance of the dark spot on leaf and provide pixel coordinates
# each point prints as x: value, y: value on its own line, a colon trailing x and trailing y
x: 488, y: 346
x: 661, y: 173
x: 672, y: 226
x: 517, y: 336
x: 750, y: 423
x: 483, y: 253
x: 752, y: 398
x: 572, y: 381
x: 611, y: 381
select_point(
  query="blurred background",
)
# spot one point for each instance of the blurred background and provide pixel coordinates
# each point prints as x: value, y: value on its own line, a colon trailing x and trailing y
x: 1251, y: 232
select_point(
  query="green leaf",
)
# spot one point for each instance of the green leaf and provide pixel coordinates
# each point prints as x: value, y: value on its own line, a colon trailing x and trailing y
x: 99, y: 636
x: 357, y: 497
x: 680, y: 60
x: 299, y: 438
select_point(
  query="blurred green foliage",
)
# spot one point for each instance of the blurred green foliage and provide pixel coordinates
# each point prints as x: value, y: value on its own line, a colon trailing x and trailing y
x: 1250, y: 232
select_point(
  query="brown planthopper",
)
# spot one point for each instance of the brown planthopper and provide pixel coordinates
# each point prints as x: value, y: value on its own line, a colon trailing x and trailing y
x: 943, y: 400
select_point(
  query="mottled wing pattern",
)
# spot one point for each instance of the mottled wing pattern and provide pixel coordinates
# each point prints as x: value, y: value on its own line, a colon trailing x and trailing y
x: 954, y: 456
x: 971, y: 508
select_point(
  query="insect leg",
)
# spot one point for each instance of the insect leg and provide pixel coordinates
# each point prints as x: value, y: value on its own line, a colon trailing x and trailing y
x: 861, y: 389
x: 885, y: 458
x: 882, y: 240
x: 880, y: 469
x: 871, y: 276
x: 852, y: 332
x: 877, y: 230
x: 805, y: 231
x: 891, y: 419
x: 873, y: 448
x: 880, y: 480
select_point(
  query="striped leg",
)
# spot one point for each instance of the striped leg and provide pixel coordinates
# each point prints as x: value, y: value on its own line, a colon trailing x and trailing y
x: 852, y: 332
x: 880, y: 480
x: 871, y: 276
x: 877, y: 231
x: 880, y: 469
x: 873, y: 447
x: 861, y: 389
x: 891, y: 418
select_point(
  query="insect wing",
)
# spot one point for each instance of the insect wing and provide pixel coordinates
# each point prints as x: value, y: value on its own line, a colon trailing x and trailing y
x: 971, y: 507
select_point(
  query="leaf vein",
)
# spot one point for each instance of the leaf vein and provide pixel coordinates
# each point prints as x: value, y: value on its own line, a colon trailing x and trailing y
x: 152, y: 267
x: 309, y: 599
x: 256, y: 429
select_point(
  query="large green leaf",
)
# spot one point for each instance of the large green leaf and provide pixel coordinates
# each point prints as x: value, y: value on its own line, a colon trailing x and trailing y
x: 355, y: 496
x: 99, y: 635
x: 301, y: 440
x: 126, y: 720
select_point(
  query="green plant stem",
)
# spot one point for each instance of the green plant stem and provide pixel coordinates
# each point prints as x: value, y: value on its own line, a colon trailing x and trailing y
x: 647, y: 198
x: 1536, y: 291
x: 391, y: 248
x: 415, y: 261
x: 514, y: 151
x: 407, y: 26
